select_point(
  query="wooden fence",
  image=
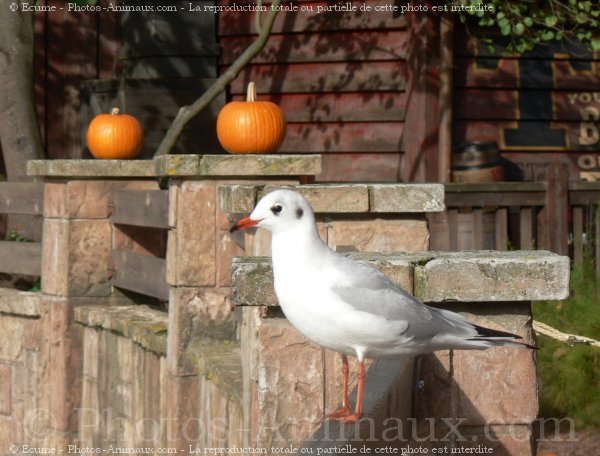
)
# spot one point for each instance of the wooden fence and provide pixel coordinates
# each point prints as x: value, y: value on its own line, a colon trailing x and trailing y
x: 21, y: 198
x: 556, y: 214
x: 141, y: 218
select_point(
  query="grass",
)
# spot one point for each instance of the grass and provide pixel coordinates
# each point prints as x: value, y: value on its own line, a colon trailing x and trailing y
x: 570, y: 375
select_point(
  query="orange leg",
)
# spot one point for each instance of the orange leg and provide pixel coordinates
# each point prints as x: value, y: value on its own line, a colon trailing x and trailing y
x: 358, y: 411
x: 344, y: 410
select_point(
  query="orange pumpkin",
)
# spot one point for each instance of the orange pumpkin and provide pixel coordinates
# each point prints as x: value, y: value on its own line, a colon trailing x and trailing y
x: 115, y: 135
x: 251, y: 127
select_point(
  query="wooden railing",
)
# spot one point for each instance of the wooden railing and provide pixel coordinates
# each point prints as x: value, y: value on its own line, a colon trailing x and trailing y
x: 21, y: 198
x: 557, y: 215
x: 141, y: 216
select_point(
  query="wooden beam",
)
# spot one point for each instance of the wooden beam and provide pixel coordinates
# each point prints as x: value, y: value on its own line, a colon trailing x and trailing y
x: 495, y: 199
x: 502, y: 228
x: 141, y: 274
x: 22, y: 198
x: 21, y: 257
x: 141, y: 208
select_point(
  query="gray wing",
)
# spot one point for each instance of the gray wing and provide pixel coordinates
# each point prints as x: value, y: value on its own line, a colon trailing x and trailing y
x: 369, y: 290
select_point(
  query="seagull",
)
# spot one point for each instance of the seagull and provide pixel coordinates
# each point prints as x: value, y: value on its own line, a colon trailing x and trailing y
x: 348, y: 306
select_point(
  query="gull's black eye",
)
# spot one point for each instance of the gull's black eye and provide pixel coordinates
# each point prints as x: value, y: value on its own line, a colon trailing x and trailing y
x: 277, y: 209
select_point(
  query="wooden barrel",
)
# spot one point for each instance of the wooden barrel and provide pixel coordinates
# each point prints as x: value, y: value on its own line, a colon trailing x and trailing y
x: 477, y: 162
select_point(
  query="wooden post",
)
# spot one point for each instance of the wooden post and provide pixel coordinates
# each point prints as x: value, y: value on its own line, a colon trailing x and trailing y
x: 420, y: 159
x: 526, y: 228
x: 502, y: 228
x: 578, y: 235
x: 554, y: 216
x: 446, y: 96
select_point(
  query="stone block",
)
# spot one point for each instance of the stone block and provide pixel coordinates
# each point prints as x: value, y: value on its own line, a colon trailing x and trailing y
x: 196, y: 312
x: 171, y: 260
x: 406, y: 198
x: 145, y: 326
x: 126, y: 368
x: 174, y: 188
x: 196, y: 232
x: 237, y: 198
x: 86, y: 199
x: 260, y: 165
x: 91, y: 351
x: 75, y: 257
x: 493, y: 276
x: 226, y: 250
x: 182, y: 410
x: 5, y: 432
x: 64, y: 342
x: 109, y: 169
x: 498, y: 385
x: 20, y: 302
x: 332, y: 198
x: 55, y: 257
x: 290, y: 385
x: 380, y: 235
x: 252, y: 282
x: 11, y: 334
x: 238, y: 165
x: 32, y: 334
x: 5, y: 389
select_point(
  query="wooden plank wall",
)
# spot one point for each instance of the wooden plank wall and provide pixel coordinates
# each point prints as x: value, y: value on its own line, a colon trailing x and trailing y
x: 70, y: 47
x: 539, y: 107
x: 340, y: 78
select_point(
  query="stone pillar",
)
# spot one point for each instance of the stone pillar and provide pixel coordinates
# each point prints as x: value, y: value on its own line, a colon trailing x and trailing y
x: 199, y: 254
x: 463, y: 398
x: 76, y: 269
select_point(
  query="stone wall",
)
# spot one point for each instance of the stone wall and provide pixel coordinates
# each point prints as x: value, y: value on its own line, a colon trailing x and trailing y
x: 87, y: 363
x: 22, y: 337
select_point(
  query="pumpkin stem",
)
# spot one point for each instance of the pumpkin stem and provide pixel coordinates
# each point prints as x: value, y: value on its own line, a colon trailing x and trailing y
x: 115, y: 111
x: 251, y: 93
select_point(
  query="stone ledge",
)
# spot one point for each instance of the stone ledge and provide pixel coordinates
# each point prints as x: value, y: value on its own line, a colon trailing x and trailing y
x: 91, y: 168
x: 519, y: 275
x: 22, y: 303
x: 211, y: 166
x: 143, y: 325
x: 220, y: 362
x: 343, y: 198
x: 217, y: 360
x: 481, y: 276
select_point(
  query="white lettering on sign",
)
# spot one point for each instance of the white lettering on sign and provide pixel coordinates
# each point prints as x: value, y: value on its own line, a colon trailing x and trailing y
x: 589, y: 133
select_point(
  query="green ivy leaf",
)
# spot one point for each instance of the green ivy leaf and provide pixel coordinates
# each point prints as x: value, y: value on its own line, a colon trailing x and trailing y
x: 551, y: 21
x: 528, y: 21
x: 548, y: 35
x: 519, y: 28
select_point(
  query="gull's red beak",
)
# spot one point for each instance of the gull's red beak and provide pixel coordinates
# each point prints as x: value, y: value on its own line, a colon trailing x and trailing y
x: 244, y: 224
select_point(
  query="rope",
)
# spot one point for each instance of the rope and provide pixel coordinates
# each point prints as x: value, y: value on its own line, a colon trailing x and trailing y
x: 572, y: 339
